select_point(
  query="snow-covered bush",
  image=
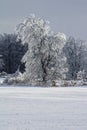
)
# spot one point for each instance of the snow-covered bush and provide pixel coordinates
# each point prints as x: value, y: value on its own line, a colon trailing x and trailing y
x: 82, y: 75
x: 3, y: 74
x: 16, y: 78
x: 45, y: 60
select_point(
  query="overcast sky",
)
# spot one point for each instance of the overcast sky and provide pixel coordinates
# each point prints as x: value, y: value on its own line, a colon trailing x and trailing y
x: 67, y: 16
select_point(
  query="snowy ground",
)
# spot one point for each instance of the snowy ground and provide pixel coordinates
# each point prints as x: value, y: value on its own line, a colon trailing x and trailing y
x: 32, y: 108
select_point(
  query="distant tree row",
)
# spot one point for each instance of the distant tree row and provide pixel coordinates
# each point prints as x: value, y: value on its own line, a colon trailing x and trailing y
x: 11, y: 53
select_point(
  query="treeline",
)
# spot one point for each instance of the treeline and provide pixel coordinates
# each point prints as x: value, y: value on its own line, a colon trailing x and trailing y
x: 49, y: 56
x: 11, y: 53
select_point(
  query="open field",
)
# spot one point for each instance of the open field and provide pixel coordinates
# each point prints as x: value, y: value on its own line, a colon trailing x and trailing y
x: 32, y: 108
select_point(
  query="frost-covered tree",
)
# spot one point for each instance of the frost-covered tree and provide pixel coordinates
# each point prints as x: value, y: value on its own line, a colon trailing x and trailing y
x: 56, y: 60
x: 45, y: 60
x: 76, y: 53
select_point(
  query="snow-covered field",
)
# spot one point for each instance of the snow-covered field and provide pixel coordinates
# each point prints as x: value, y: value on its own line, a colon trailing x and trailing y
x: 29, y: 108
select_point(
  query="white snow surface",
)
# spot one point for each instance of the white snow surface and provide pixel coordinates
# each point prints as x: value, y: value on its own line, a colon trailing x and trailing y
x: 36, y: 108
